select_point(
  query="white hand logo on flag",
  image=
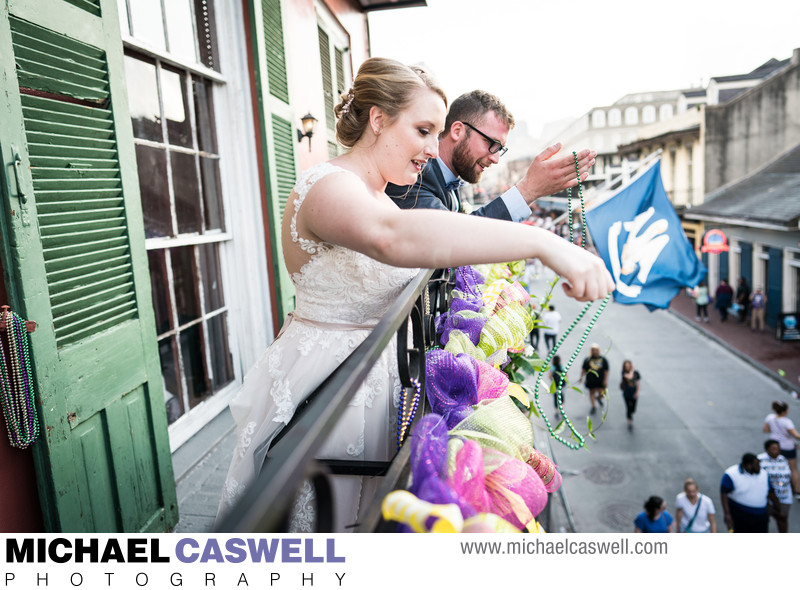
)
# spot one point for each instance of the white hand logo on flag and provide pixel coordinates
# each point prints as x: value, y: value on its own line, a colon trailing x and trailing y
x: 641, y: 250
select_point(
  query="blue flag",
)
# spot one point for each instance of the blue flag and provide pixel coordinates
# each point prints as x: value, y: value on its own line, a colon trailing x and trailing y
x: 639, y: 237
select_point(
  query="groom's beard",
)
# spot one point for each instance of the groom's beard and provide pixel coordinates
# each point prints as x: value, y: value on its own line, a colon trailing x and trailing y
x: 464, y: 165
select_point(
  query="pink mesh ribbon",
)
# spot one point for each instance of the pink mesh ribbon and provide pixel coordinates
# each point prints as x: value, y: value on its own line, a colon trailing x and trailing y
x: 544, y: 468
x: 492, y: 481
x: 492, y: 382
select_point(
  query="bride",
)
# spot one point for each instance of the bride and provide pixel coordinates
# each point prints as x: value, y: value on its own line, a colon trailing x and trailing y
x: 351, y: 251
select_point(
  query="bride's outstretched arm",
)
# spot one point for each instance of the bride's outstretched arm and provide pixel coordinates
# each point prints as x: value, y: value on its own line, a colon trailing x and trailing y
x: 338, y: 209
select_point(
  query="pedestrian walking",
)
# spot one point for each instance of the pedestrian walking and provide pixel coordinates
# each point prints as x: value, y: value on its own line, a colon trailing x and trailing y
x: 654, y: 518
x: 552, y: 323
x: 742, y: 299
x: 701, y: 299
x: 694, y: 512
x: 758, y: 304
x: 744, y: 493
x: 780, y: 426
x: 631, y: 381
x: 594, y: 375
x: 723, y: 298
x: 780, y: 478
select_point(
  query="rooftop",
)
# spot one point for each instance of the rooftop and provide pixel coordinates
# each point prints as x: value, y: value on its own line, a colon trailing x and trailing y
x: 770, y: 195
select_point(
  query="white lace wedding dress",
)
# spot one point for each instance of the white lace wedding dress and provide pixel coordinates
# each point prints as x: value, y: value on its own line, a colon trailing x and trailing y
x: 341, y: 296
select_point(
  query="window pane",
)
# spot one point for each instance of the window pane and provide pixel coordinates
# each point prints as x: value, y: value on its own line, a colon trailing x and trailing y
x: 185, y: 284
x: 176, y: 108
x: 206, y: 33
x: 147, y: 23
x: 143, y: 103
x: 160, y: 284
x: 212, y: 286
x: 212, y: 193
x: 169, y: 376
x: 187, y: 192
x: 221, y: 361
x: 204, y: 111
x: 152, y: 166
x: 180, y: 32
x: 194, y: 368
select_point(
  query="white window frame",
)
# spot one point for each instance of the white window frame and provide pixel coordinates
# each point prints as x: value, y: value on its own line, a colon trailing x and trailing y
x: 243, y: 265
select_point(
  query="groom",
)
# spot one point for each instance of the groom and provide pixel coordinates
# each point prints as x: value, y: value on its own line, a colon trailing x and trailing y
x: 473, y: 139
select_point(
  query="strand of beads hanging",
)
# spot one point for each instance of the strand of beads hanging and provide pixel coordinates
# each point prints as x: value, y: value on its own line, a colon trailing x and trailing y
x: 559, y: 397
x: 569, y: 205
x: 558, y: 393
x: 16, y: 384
x: 407, y: 410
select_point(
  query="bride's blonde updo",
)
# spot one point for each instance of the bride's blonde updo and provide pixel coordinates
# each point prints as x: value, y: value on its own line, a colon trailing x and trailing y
x: 384, y: 83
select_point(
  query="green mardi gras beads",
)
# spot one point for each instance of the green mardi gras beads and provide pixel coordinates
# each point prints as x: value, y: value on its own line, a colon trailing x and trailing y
x: 581, y: 440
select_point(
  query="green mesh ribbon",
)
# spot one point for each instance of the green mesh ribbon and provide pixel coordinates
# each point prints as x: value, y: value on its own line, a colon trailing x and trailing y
x: 497, y: 424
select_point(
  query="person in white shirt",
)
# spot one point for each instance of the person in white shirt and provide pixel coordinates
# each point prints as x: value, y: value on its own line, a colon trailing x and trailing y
x: 552, y: 320
x: 780, y: 478
x: 694, y: 511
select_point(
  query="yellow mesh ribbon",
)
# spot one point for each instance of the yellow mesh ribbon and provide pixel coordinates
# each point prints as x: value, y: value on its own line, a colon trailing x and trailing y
x: 404, y: 507
x: 492, y: 291
x: 459, y: 342
x: 486, y: 522
x: 495, y: 424
x: 505, y: 329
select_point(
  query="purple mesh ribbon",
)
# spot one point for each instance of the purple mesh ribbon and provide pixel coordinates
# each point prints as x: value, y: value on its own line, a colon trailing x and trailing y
x: 469, y: 281
x: 429, y: 466
x: 451, y: 384
x: 452, y: 321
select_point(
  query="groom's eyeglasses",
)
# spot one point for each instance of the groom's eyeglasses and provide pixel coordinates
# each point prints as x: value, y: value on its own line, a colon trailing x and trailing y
x: 495, y: 147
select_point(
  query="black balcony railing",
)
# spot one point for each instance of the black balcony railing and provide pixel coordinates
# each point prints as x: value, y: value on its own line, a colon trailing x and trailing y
x: 291, y: 459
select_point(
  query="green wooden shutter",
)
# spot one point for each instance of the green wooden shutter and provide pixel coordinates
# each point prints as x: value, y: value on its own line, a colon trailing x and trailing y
x: 73, y: 240
x: 277, y: 133
x: 327, y: 80
x: 90, y: 6
x: 275, y: 50
x: 76, y: 179
x: 340, y: 81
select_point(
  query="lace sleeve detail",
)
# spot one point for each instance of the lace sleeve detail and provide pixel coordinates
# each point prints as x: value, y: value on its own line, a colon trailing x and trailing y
x: 304, y: 184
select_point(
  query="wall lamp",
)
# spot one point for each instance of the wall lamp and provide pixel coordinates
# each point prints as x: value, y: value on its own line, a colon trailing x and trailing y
x: 308, y: 121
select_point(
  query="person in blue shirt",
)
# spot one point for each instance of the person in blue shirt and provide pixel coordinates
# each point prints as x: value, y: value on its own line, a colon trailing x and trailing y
x: 654, y: 518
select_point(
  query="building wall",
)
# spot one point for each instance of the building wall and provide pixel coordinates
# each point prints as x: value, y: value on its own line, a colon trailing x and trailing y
x: 754, y: 128
x: 303, y: 62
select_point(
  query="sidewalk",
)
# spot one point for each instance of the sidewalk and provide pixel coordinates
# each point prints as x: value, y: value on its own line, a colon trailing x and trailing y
x: 762, y: 349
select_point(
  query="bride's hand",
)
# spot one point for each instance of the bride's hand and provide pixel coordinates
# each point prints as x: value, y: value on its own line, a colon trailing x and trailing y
x: 585, y: 275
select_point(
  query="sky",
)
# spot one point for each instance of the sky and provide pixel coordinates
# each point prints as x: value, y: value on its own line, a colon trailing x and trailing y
x: 552, y: 60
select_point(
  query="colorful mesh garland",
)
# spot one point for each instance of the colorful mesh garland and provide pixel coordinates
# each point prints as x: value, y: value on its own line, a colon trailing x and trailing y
x: 475, y: 451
